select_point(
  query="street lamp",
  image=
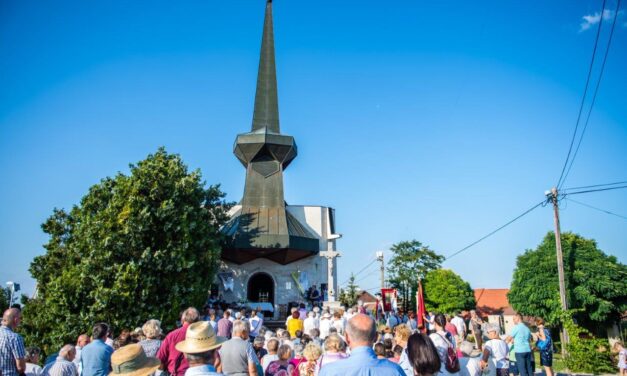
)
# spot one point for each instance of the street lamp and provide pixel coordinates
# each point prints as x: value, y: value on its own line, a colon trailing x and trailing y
x: 380, y: 259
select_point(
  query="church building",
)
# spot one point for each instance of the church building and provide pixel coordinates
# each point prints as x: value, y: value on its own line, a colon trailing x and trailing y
x: 275, y: 252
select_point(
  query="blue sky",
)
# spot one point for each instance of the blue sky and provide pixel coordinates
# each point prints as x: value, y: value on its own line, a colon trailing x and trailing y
x: 437, y: 121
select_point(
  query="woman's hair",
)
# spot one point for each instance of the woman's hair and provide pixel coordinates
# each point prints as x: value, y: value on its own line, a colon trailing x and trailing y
x: 388, y: 344
x: 379, y: 349
x: 423, y: 355
x: 312, y: 351
x: 152, y: 329
x: 273, y: 345
x: 539, y: 321
x: 398, y: 350
x: 334, y: 343
x: 402, y: 332
x: 285, y: 352
x: 617, y: 346
x: 440, y: 320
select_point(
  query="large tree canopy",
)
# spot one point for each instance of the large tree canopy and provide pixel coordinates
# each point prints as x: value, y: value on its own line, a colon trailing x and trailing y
x: 137, y: 247
x: 410, y: 262
x: 595, y: 282
x: 446, y: 292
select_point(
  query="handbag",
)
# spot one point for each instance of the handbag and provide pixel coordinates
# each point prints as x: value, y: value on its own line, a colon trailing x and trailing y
x: 451, y: 362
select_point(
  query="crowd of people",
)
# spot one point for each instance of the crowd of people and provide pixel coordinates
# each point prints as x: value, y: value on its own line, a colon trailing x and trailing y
x: 315, y: 342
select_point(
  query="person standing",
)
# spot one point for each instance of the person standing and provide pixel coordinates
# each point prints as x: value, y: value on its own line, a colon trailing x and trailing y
x: 520, y: 336
x: 475, y: 328
x: 64, y: 365
x: 545, y: 345
x: 325, y: 325
x: 361, y: 333
x: 310, y: 323
x: 495, y: 353
x: 460, y: 325
x: 82, y: 341
x: 32, y: 360
x: 12, y: 351
x: 237, y: 354
x: 152, y: 342
x: 225, y: 325
x: 96, y: 356
x: 200, y: 346
x: 171, y: 359
x: 422, y: 355
x: 443, y: 341
x: 294, y: 323
x: 256, y: 322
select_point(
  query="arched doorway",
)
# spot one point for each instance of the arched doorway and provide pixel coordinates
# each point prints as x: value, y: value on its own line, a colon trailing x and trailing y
x: 260, y: 288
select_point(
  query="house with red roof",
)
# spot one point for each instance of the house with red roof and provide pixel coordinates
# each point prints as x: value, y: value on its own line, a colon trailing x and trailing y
x: 492, y: 305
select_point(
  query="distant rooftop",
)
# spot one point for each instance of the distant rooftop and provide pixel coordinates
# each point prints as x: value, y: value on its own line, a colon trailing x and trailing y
x: 493, y: 302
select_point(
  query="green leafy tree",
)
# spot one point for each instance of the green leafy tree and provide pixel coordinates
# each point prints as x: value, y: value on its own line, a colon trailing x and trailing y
x: 446, y: 292
x: 595, y: 282
x: 138, y: 246
x: 5, y: 296
x: 350, y: 295
x: 586, y: 353
x: 410, y: 262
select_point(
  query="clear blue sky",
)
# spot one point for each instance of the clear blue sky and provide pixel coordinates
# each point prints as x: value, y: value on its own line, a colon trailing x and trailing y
x: 437, y: 121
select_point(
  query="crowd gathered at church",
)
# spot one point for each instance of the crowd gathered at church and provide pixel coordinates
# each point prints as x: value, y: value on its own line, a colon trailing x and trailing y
x: 312, y: 342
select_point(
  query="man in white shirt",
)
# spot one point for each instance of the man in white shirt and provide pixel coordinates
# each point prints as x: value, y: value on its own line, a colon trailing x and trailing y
x: 255, y: 322
x: 325, y: 325
x: 310, y: 323
x: 469, y: 364
x: 459, y: 323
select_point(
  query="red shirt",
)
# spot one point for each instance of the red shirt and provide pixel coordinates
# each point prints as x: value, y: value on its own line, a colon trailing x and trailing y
x: 451, y: 328
x: 169, y: 356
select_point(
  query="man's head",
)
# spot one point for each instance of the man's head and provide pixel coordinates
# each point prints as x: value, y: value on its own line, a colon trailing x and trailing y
x: 190, y: 315
x: 259, y: 342
x: 361, y: 331
x: 100, y: 331
x: 226, y: 314
x: 12, y: 318
x: 273, y: 345
x: 518, y: 318
x: 197, y: 359
x: 241, y: 329
x: 295, y: 314
x: 82, y: 340
x: 67, y: 352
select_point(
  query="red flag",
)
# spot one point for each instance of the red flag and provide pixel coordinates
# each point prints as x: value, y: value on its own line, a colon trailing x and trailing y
x: 420, y: 311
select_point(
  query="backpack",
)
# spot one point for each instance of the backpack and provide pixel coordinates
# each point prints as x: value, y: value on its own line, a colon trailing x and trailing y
x: 451, y: 362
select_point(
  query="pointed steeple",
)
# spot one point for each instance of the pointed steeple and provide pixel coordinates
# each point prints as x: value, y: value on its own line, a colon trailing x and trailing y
x: 263, y: 227
x: 266, y: 98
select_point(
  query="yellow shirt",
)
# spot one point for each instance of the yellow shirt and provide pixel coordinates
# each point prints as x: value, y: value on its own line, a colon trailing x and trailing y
x: 293, y: 325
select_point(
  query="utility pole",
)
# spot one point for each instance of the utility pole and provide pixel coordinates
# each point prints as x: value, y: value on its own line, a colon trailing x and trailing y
x: 560, y: 262
x: 380, y: 259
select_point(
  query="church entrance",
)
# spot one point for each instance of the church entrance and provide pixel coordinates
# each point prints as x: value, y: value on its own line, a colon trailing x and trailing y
x: 261, y: 288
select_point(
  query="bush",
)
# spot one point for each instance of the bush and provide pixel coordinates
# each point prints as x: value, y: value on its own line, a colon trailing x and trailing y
x: 586, y: 353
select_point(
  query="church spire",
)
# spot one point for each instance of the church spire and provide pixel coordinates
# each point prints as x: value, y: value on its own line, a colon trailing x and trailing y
x: 266, y: 112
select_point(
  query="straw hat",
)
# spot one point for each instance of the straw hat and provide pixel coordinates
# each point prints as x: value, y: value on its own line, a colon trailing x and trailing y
x: 131, y: 360
x: 199, y: 338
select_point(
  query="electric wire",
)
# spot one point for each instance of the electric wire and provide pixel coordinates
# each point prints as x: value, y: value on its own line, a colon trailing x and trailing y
x: 360, y: 279
x: 495, y: 231
x: 594, y: 186
x: 593, y: 190
x: 583, y: 98
x: 359, y: 272
x: 595, y: 208
x: 596, y: 90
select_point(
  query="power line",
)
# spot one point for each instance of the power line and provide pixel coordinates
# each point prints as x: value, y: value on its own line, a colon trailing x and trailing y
x: 497, y: 230
x: 595, y: 208
x: 596, y: 89
x: 359, y: 272
x: 360, y: 279
x: 594, y: 186
x: 594, y: 190
x: 583, y: 98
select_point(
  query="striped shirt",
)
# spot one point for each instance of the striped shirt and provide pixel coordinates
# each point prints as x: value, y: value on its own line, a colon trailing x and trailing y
x: 150, y: 346
x: 11, y: 348
x: 61, y: 367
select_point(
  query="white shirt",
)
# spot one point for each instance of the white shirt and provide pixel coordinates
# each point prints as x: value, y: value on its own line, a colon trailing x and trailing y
x: 339, y: 325
x: 265, y: 361
x: 469, y: 366
x: 325, y: 325
x: 33, y: 370
x: 310, y: 323
x: 460, y: 325
x: 255, y: 324
x: 498, y: 353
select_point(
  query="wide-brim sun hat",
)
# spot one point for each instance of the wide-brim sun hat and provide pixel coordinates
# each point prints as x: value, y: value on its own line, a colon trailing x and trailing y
x: 131, y: 360
x: 199, y: 338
